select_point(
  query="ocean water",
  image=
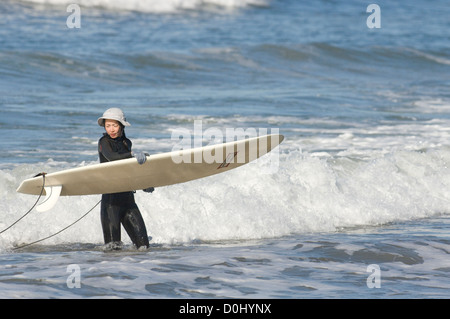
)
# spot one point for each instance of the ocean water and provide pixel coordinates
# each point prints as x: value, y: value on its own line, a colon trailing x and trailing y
x: 355, y: 203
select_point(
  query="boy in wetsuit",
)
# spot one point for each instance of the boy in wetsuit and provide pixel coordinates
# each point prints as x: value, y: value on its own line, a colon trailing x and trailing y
x: 119, y: 208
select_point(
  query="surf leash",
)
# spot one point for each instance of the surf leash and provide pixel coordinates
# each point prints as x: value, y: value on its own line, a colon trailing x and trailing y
x: 37, y: 201
x: 38, y: 241
x: 40, y: 195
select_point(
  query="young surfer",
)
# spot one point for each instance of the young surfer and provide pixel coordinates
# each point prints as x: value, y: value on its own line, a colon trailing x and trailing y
x: 119, y: 208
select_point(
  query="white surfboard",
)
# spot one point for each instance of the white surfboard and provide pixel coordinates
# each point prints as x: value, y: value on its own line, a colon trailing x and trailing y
x: 159, y: 170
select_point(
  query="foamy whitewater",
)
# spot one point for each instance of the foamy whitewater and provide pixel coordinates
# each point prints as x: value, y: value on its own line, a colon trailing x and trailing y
x: 353, y: 204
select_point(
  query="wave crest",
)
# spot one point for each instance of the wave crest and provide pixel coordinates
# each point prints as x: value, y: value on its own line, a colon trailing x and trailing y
x: 159, y: 6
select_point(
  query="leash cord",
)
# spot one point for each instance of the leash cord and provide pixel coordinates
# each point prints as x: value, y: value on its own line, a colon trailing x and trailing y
x: 37, y: 241
x: 40, y: 195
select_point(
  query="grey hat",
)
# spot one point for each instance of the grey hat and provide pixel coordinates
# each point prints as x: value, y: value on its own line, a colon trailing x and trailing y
x: 113, y: 114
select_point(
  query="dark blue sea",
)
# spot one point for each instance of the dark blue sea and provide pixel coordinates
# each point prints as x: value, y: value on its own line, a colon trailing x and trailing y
x: 355, y: 203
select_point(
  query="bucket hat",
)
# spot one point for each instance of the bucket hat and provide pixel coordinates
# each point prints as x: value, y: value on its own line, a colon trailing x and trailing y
x: 113, y: 114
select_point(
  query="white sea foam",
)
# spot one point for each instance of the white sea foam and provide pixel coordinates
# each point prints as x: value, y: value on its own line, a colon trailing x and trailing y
x: 307, y: 194
x: 158, y: 6
x: 343, y: 175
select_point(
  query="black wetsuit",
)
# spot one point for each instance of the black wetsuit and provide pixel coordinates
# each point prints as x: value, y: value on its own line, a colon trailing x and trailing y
x: 120, y: 208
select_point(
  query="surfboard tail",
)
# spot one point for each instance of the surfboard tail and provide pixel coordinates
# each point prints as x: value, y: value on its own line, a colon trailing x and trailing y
x: 36, y: 186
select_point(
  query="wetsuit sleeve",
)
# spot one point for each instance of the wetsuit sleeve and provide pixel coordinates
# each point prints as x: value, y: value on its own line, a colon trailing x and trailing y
x: 105, y: 149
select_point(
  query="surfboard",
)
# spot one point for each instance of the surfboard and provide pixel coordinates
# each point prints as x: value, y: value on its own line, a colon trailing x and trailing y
x: 159, y: 170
